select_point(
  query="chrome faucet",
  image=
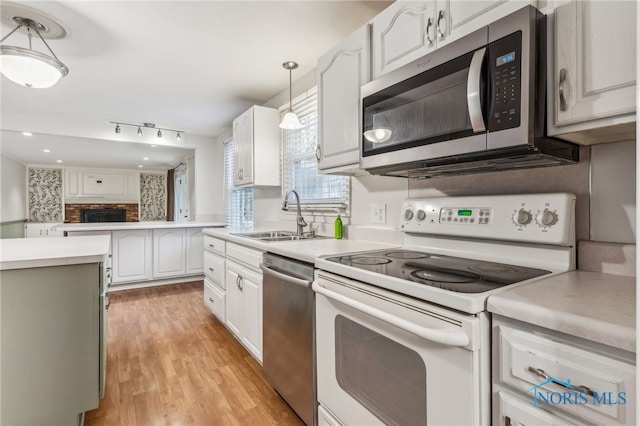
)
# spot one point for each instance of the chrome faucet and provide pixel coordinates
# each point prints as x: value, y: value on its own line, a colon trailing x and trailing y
x: 299, y: 219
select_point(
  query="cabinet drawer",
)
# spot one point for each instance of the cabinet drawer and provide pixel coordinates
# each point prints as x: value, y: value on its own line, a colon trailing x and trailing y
x: 539, y: 366
x: 214, y: 268
x: 214, y: 299
x: 215, y: 245
x: 514, y: 411
x: 245, y: 255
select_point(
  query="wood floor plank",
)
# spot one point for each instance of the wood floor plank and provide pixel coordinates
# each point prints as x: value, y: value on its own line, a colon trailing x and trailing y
x: 171, y: 362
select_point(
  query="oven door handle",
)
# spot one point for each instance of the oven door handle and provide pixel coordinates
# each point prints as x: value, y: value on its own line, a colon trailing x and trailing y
x: 474, y: 101
x: 447, y: 337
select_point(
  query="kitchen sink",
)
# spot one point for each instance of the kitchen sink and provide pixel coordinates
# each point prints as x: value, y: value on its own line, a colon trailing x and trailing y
x: 277, y: 236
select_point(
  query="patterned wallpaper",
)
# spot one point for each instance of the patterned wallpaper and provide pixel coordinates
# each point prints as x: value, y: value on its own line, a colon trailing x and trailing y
x: 45, y: 195
x: 153, y: 197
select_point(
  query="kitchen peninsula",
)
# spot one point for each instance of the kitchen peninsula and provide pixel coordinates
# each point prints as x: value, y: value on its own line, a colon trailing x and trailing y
x: 149, y: 253
x: 51, y: 328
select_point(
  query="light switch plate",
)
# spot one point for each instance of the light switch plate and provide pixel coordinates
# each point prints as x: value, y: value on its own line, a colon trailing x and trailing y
x: 379, y: 214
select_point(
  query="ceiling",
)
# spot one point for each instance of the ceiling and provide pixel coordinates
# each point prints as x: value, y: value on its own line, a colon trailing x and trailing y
x: 185, y: 65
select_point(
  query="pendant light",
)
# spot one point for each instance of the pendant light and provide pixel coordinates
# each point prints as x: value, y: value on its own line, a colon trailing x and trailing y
x: 290, y: 120
x: 28, y: 67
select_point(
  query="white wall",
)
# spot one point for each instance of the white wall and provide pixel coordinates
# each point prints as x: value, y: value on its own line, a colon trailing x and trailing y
x: 13, y: 187
x: 207, y: 193
x: 613, y: 192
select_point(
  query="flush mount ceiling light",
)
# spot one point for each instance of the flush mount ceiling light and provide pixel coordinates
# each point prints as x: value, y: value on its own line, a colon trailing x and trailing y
x: 290, y: 119
x: 147, y: 126
x: 26, y: 66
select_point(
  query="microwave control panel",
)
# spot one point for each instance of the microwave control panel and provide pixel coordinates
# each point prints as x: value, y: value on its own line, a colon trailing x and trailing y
x: 505, y: 73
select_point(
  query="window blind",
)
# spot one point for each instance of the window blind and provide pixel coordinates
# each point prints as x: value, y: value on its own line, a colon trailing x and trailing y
x: 239, y: 201
x: 300, y: 166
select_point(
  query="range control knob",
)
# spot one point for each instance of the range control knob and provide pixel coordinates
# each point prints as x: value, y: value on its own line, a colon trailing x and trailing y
x: 408, y: 214
x: 421, y: 215
x: 522, y: 217
x: 547, y: 218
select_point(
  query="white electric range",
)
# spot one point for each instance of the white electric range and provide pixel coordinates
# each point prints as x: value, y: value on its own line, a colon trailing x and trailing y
x: 402, y: 335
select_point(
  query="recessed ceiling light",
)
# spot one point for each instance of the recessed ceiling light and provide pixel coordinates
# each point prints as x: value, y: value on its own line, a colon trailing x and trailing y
x: 46, y: 150
x: 153, y: 146
x: 140, y: 165
x: 27, y: 133
x: 58, y: 161
x: 146, y: 158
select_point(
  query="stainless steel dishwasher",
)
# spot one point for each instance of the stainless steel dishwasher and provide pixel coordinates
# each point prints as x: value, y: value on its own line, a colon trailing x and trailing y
x: 288, y: 333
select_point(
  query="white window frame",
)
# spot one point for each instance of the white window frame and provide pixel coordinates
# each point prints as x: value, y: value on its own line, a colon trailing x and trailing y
x: 235, y: 220
x: 316, y: 208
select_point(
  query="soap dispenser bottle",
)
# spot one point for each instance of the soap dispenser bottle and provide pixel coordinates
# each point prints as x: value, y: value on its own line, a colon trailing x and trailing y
x: 338, y: 228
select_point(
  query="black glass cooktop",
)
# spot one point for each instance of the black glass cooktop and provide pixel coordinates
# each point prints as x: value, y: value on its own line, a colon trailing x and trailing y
x: 447, y: 272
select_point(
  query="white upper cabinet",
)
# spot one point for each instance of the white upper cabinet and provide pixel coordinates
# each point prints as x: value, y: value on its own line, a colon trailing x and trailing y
x: 340, y: 73
x: 592, y: 86
x: 402, y: 33
x: 256, y: 144
x: 101, y: 185
x: 408, y: 30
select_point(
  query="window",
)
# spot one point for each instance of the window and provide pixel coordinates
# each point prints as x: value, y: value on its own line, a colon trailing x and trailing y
x: 239, y: 200
x: 300, y: 166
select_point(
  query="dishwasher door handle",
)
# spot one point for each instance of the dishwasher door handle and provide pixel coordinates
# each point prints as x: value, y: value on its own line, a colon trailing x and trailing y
x: 284, y: 277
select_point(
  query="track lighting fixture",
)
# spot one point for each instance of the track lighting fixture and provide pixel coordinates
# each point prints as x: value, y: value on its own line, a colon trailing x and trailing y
x: 147, y: 126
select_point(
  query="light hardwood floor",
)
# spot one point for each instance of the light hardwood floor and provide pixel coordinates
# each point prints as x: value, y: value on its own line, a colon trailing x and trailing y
x: 171, y: 362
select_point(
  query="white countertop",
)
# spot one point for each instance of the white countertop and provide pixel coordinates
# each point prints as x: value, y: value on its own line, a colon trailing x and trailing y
x: 20, y: 253
x: 116, y: 226
x: 591, y: 305
x: 304, y: 250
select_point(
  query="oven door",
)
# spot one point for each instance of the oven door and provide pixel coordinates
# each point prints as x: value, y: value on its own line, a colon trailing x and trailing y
x: 388, y: 359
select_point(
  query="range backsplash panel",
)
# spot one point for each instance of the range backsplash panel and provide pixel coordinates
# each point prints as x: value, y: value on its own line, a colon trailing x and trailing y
x: 45, y: 195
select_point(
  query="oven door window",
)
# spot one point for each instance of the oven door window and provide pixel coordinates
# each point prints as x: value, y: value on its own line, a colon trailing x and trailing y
x: 430, y: 107
x: 387, y: 378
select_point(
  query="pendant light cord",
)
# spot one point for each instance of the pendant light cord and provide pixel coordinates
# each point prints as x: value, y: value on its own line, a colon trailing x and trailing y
x: 29, y: 35
x: 290, y: 90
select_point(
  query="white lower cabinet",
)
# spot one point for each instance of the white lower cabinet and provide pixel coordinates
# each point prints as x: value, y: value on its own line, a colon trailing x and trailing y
x: 194, y: 242
x: 244, y: 306
x: 36, y: 230
x: 214, y: 299
x: 215, y: 295
x: 132, y: 255
x: 168, y: 252
x: 544, y: 377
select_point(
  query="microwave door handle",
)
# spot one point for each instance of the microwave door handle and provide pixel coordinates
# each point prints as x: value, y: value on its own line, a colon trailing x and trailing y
x: 473, y: 91
x: 449, y: 337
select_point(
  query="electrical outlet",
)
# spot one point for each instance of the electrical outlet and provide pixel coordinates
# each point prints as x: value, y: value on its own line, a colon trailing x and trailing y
x: 379, y: 214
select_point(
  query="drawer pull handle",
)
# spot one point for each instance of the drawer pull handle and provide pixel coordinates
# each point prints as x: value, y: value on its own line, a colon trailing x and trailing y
x: 211, y: 300
x: 580, y: 388
x: 211, y: 269
x: 211, y: 245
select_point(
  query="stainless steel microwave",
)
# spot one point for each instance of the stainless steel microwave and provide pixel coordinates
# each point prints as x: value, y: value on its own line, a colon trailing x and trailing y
x: 475, y: 105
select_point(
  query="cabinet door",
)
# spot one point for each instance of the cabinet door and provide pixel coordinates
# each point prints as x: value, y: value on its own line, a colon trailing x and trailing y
x: 50, y: 232
x: 401, y: 33
x: 234, y: 299
x: 340, y: 74
x: 242, y: 149
x: 131, y: 255
x: 168, y: 252
x: 194, y: 258
x: 457, y: 18
x: 104, y: 183
x: 251, y: 288
x: 34, y: 230
x: 595, y: 61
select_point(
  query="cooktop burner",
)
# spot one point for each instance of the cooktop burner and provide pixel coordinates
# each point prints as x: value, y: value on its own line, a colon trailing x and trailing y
x: 446, y: 272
